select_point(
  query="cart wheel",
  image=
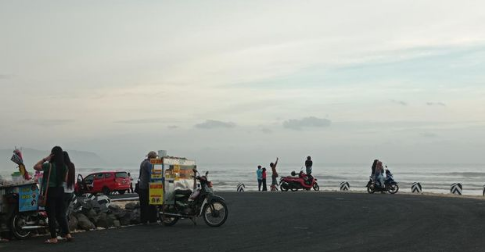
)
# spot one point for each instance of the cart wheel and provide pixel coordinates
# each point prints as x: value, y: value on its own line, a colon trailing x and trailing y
x: 16, y: 223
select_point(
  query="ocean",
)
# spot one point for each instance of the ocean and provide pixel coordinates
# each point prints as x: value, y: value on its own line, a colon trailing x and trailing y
x: 434, y: 178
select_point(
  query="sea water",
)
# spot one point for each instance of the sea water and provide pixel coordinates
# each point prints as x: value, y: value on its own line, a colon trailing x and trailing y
x: 434, y: 178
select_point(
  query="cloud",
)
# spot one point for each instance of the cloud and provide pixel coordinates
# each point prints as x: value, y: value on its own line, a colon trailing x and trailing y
x: 429, y: 135
x: 5, y: 76
x: 213, y: 124
x: 436, y: 104
x: 307, y: 122
x: 141, y: 121
x: 403, y: 103
x: 173, y: 127
x: 266, y: 131
x: 47, y: 123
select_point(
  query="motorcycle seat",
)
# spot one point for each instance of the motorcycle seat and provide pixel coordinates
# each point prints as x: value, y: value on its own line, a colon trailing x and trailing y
x: 182, y: 193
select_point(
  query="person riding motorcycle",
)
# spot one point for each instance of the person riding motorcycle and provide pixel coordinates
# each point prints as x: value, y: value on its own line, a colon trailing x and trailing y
x: 379, y: 175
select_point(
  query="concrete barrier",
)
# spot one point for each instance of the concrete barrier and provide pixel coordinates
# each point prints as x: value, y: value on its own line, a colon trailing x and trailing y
x: 344, y: 186
x: 241, y: 187
x: 456, y: 189
x: 416, y: 187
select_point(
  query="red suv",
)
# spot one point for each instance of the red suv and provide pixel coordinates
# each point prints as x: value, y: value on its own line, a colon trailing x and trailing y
x: 104, y: 182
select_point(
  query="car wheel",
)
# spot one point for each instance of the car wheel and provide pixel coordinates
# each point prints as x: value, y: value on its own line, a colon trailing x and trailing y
x: 121, y: 192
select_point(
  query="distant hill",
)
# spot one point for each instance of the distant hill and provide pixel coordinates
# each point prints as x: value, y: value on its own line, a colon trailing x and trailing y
x: 31, y: 156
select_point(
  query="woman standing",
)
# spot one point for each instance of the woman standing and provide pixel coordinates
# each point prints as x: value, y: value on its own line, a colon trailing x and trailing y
x: 69, y: 184
x: 55, y: 171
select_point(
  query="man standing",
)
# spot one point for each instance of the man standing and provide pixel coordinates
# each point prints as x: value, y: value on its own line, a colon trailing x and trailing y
x: 308, y: 165
x: 148, y: 213
x: 259, y: 175
x: 274, y: 182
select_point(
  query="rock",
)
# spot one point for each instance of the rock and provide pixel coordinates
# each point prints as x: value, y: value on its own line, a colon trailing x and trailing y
x: 110, y: 219
x: 117, y: 223
x: 135, y: 216
x: 92, y: 216
x: 120, y: 214
x: 102, y: 221
x: 114, y: 208
x: 84, y: 223
x: 130, y: 205
x: 84, y: 204
x: 95, y: 205
x: 73, y: 222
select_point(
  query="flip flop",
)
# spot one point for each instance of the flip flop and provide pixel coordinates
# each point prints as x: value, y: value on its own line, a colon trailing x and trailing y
x: 49, y: 241
x: 69, y: 239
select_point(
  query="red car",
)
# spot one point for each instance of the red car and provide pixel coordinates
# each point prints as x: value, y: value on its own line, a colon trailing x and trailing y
x: 103, y: 182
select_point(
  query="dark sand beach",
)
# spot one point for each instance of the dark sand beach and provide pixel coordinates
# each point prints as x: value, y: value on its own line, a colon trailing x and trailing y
x: 303, y: 221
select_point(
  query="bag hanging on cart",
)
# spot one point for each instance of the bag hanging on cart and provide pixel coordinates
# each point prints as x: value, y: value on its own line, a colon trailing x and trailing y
x: 43, y: 196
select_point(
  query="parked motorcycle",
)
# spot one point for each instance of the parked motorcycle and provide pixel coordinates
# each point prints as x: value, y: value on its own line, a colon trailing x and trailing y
x: 22, y: 224
x: 190, y: 204
x: 302, y: 181
x: 389, y: 186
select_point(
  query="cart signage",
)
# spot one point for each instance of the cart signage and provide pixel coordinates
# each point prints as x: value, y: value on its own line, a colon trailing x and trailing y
x: 28, y: 197
x: 156, y: 193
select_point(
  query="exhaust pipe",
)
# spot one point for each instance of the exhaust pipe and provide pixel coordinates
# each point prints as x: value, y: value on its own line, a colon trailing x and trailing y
x: 175, y: 215
x: 32, y: 227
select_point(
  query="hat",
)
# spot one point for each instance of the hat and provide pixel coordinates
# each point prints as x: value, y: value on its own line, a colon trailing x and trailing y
x: 152, y: 154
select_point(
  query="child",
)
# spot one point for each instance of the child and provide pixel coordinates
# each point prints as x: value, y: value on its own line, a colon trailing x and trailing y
x: 264, y: 180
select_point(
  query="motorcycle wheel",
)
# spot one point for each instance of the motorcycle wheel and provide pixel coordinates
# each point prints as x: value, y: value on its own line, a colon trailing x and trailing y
x: 168, y: 220
x: 215, y: 213
x: 293, y: 188
x: 16, y: 223
x: 370, y: 189
x: 284, y: 187
x: 316, y: 187
x: 393, y: 189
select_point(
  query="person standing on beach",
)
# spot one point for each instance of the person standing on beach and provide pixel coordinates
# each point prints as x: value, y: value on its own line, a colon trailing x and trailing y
x: 131, y: 183
x: 259, y: 175
x: 69, y: 183
x: 55, y: 171
x: 148, y: 213
x: 308, y: 165
x: 264, y: 180
x: 274, y: 182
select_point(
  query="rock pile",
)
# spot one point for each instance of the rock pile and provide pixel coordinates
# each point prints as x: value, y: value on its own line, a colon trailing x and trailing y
x: 98, y: 212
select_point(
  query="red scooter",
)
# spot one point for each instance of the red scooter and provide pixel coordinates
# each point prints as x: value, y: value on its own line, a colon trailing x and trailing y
x: 303, y: 181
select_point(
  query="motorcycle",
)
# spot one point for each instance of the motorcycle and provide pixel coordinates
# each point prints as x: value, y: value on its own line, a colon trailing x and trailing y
x: 22, y: 223
x: 190, y: 204
x: 302, y: 181
x: 389, y: 186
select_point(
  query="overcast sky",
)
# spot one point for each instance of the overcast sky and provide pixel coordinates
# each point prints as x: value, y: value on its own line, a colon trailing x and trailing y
x: 246, y: 81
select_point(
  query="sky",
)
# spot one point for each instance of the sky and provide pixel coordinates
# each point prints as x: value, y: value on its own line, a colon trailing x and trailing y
x: 246, y: 81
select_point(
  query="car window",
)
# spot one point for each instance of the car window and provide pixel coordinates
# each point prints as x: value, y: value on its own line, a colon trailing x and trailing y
x: 122, y: 175
x: 107, y: 175
x: 99, y: 175
x: 89, y: 178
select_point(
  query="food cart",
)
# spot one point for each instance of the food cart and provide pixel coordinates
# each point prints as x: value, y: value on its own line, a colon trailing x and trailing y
x: 167, y: 175
x: 16, y: 199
